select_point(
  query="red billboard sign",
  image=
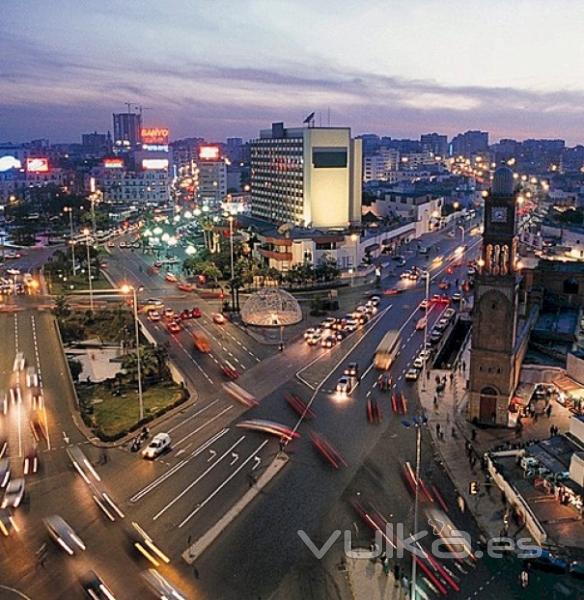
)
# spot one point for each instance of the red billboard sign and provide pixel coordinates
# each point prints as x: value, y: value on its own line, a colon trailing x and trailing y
x: 209, y: 153
x: 154, y: 135
x: 37, y: 165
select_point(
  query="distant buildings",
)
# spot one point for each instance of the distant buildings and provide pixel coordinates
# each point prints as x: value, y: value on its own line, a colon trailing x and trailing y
x: 306, y: 176
x: 127, y: 131
x: 211, y: 186
x: 469, y: 143
x: 435, y: 143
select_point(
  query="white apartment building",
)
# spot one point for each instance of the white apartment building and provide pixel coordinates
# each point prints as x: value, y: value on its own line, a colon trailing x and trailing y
x: 211, y: 179
x: 381, y: 166
x: 307, y: 176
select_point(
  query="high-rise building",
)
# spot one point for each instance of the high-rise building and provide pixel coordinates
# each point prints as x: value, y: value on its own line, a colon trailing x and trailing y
x: 211, y: 176
x: 234, y: 149
x: 435, y: 143
x: 127, y: 128
x: 308, y: 176
x: 96, y: 144
x: 469, y: 143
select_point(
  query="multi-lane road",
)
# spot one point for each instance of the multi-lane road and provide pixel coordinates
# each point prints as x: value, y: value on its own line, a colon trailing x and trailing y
x: 213, y: 462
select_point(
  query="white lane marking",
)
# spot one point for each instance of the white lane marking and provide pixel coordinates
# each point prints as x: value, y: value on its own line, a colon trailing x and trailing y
x: 194, y: 362
x: 40, y: 378
x: 188, y: 435
x: 218, y: 489
x: 196, y: 414
x: 162, y: 478
x: 194, y: 483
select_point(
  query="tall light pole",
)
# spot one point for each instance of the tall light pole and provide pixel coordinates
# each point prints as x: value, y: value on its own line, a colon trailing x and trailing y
x: 426, y: 274
x: 86, y: 234
x: 417, y: 424
x: 354, y: 239
x: 69, y: 209
x: 126, y: 289
x: 461, y: 227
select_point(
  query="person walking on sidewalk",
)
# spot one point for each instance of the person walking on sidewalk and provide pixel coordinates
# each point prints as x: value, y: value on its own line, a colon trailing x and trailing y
x: 548, y: 411
x: 461, y: 503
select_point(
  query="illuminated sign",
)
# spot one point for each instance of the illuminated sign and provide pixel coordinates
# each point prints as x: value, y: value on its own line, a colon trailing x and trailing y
x: 9, y: 162
x: 154, y: 135
x: 37, y: 165
x: 154, y: 163
x: 113, y: 163
x: 209, y: 152
x: 155, y: 147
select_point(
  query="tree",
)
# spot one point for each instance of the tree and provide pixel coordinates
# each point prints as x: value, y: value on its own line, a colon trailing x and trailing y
x: 327, y: 269
x: 61, y: 309
x: 75, y: 367
x: 211, y: 271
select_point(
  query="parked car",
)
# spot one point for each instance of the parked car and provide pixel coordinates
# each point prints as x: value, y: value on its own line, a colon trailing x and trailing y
x: 154, y: 316
x: 218, y: 318
x: 328, y: 341
x: 352, y: 370
x: 196, y: 313
x: 412, y: 374
x: 312, y: 331
x: 313, y: 339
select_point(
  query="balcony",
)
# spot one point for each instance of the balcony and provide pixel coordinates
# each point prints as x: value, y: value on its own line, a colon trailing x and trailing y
x: 275, y: 255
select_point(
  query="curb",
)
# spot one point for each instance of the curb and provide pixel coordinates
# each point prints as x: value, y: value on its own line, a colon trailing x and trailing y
x: 196, y: 550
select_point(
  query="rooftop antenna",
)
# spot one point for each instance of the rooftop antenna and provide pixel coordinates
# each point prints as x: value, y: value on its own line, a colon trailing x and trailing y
x: 309, y: 120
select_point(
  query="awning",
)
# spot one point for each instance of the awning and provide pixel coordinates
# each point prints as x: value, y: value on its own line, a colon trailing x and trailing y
x: 566, y: 384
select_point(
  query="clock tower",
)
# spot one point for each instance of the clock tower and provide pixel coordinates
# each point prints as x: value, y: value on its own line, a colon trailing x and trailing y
x: 494, y: 367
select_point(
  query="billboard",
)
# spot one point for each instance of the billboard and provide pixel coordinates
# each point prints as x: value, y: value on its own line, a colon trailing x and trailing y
x: 209, y: 153
x: 113, y: 163
x: 150, y: 164
x: 154, y: 135
x: 37, y: 165
x: 9, y: 162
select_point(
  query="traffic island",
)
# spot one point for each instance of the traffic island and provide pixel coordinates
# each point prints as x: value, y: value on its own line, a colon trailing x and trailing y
x: 193, y: 552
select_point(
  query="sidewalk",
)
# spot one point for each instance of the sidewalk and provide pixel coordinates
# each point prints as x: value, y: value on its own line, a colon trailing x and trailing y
x: 367, y: 579
x: 448, y: 417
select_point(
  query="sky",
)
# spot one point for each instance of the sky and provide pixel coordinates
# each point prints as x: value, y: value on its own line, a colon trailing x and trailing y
x: 221, y: 68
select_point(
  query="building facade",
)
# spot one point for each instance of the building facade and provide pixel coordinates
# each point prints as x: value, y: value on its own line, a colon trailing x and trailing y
x: 127, y: 128
x: 309, y: 177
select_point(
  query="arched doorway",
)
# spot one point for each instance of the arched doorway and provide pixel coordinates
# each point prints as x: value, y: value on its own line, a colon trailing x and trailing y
x: 488, y: 406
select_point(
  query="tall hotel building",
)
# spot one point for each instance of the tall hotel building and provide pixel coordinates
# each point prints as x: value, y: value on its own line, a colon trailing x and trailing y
x: 307, y: 176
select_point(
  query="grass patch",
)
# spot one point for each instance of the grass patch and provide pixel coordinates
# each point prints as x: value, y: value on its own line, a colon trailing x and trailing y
x: 108, y: 325
x: 112, y: 417
x: 79, y: 282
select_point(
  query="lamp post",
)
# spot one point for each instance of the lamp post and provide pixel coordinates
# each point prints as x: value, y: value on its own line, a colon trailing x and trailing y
x: 230, y: 219
x: 86, y: 234
x: 69, y: 209
x: 417, y: 423
x: 354, y: 239
x: 461, y: 227
x: 126, y: 289
x: 426, y: 274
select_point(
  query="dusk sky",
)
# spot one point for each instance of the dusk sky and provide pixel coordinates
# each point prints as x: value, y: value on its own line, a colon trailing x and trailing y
x: 217, y: 68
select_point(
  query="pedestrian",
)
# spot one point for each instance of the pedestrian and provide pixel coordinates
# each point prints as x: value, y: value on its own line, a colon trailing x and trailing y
x: 396, y: 573
x: 461, y: 503
x: 548, y: 411
x: 189, y: 540
x: 454, y: 434
x: 195, y: 572
x: 503, y: 498
x: 428, y: 374
x: 435, y: 401
x: 463, y: 366
x: 473, y: 435
x: 437, y: 379
x: 438, y: 430
x: 451, y: 377
x: 524, y: 578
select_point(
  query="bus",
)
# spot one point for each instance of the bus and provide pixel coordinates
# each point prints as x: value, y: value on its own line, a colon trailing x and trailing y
x: 387, y: 349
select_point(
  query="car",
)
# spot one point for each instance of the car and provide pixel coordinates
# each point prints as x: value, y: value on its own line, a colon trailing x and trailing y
x: 444, y: 285
x: 413, y: 276
x: 341, y: 335
x: 185, y: 314
x: 186, y: 287
x: 412, y: 374
x: 440, y: 299
x: 371, y: 309
x: 32, y: 379
x: 313, y: 339
x: 350, y: 325
x: 328, y: 323
x: 456, y: 297
x: 174, y: 327
x: 352, y: 370
x: 421, y: 323
x: 122, y: 245
x: 7, y: 523
x: 425, y: 354
x: 423, y: 304
x: 449, y: 313
x: 392, y: 291
x: 4, y: 472
x: 38, y: 427
x: 443, y: 322
x: 171, y: 278
x: 19, y: 362
x: 363, y: 318
x: 168, y: 313
x: 435, y: 337
x: 13, y: 494
x: 95, y: 587
x: 161, y: 587
x: 312, y: 331
x: 327, y: 451
x: 196, y: 313
x: 405, y: 274
x: 218, y: 318
x: 154, y: 316
x: 418, y: 362
x: 360, y: 310
x: 158, y: 444
x: 63, y: 535
x: 111, y: 245
x: 328, y: 341
x: 339, y: 324
x: 471, y: 272
x: 344, y: 385
x: 31, y: 461
x: 229, y: 370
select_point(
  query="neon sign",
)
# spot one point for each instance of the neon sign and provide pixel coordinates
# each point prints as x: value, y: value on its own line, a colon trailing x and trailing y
x: 113, y: 163
x: 37, y: 165
x: 154, y: 135
x: 154, y: 163
x: 209, y: 152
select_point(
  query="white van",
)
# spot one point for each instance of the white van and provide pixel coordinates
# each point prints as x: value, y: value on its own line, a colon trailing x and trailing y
x: 159, y: 444
x: 32, y: 379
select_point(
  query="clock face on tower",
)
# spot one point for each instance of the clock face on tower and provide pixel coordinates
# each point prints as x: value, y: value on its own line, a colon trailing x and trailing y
x: 499, y: 214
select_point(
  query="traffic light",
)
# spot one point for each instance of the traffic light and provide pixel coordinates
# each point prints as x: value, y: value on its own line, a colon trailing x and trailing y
x: 473, y: 488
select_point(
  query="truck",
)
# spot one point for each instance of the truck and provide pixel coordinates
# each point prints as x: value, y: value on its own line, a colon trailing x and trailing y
x: 387, y: 349
x: 201, y: 342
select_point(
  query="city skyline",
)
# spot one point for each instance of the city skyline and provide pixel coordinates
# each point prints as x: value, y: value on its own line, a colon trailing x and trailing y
x: 219, y: 73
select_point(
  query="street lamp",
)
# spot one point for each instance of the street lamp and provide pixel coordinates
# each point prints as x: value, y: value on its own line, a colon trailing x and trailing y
x: 69, y: 209
x: 127, y: 289
x: 461, y: 227
x: 190, y: 250
x: 354, y: 239
x: 416, y: 422
x: 426, y: 275
x: 86, y: 234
